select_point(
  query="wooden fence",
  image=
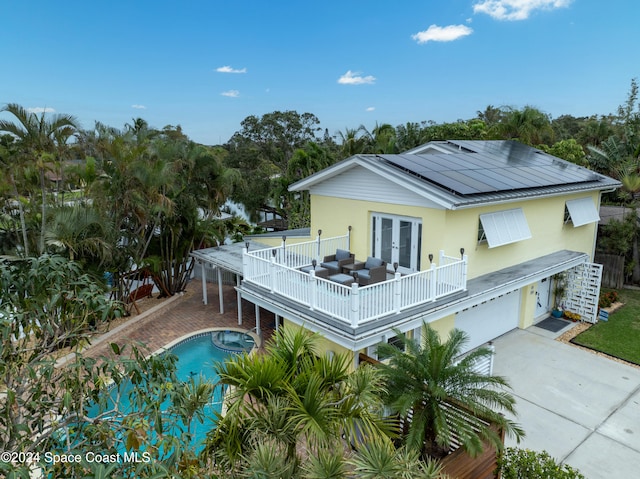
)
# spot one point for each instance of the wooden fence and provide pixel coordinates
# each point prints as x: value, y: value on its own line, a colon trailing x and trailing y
x: 459, y: 464
x: 612, y: 269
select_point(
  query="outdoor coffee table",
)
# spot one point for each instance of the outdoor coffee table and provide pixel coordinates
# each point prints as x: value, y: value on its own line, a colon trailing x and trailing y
x: 348, y: 268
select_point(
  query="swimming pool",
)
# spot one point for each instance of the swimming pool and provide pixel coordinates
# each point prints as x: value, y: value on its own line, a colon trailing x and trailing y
x: 197, y: 356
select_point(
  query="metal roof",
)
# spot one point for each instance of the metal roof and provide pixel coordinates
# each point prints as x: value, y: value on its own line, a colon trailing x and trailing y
x: 227, y: 257
x: 464, y: 174
x: 490, y: 167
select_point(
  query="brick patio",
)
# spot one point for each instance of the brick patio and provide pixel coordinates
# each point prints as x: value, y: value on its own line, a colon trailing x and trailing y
x: 179, y: 316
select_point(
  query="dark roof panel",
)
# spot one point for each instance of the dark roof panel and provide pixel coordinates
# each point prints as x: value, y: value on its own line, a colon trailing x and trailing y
x: 475, y: 167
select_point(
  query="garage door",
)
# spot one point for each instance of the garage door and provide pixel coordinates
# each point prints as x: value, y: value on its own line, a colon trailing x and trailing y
x: 490, y: 319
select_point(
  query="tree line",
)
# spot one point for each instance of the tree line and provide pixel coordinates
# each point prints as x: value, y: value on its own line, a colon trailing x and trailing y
x: 279, y: 148
x: 115, y: 198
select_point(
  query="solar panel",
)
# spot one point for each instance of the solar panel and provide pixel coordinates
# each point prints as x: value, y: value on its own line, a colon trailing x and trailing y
x: 490, y: 166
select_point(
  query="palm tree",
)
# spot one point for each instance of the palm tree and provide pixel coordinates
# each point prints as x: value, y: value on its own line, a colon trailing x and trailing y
x: 609, y: 157
x: 293, y: 398
x: 381, y: 460
x: 438, y: 397
x: 491, y: 115
x: 529, y: 125
x: 82, y: 232
x: 353, y: 141
x: 40, y: 142
x: 409, y: 135
x: 382, y: 139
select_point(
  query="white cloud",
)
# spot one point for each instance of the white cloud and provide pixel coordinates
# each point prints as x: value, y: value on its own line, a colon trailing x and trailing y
x: 516, y: 9
x: 354, y: 78
x: 442, y: 34
x: 228, y: 69
x: 139, y: 107
x: 371, y: 108
x: 231, y: 93
x: 40, y: 109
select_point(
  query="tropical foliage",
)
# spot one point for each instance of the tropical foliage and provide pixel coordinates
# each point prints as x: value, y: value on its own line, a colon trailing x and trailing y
x: 58, y: 400
x: 520, y: 463
x: 293, y: 414
x: 439, y: 397
x: 132, y: 202
x: 290, y: 404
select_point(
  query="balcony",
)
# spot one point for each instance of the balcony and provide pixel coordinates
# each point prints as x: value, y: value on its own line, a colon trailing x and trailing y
x: 278, y: 271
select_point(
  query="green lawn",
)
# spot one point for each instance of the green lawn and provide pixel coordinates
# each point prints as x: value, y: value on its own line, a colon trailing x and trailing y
x: 620, y: 336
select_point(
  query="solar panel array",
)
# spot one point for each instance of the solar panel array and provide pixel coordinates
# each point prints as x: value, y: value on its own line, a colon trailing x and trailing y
x: 491, y: 166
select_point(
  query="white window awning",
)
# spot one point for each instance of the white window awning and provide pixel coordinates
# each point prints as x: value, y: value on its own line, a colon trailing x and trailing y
x: 504, y: 227
x: 582, y: 211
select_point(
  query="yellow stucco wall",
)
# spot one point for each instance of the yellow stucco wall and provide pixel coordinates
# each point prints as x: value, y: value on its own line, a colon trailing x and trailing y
x: 275, y: 241
x: 545, y: 217
x: 527, y: 305
x: 443, y: 326
x: 334, y: 215
x: 451, y: 230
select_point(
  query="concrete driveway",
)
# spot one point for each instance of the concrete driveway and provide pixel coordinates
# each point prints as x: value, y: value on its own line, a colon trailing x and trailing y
x: 581, y: 408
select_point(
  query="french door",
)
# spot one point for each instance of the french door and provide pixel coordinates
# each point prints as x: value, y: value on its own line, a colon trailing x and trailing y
x: 397, y: 239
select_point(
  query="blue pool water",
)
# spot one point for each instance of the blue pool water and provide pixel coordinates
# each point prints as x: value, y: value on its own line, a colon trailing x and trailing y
x: 196, y: 358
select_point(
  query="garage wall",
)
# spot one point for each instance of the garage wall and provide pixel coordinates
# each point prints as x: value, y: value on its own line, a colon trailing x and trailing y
x: 490, y: 319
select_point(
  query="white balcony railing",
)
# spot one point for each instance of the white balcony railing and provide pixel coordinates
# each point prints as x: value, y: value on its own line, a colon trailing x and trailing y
x: 278, y: 270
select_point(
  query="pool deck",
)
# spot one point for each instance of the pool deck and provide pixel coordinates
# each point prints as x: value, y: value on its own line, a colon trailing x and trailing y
x: 180, y: 315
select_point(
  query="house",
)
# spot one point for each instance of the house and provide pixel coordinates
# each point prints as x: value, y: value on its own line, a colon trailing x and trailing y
x: 471, y: 232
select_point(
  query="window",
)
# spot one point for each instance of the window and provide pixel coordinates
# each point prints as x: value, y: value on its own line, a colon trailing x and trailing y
x: 503, y: 227
x: 580, y: 212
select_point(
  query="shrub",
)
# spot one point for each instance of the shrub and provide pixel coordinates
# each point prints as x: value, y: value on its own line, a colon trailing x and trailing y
x: 526, y: 464
x: 608, y: 298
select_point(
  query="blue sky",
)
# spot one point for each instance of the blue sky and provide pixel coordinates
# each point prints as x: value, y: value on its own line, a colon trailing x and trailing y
x: 207, y: 65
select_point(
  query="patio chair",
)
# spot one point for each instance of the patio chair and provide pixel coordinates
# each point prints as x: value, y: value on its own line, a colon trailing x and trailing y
x: 334, y: 262
x: 374, y: 270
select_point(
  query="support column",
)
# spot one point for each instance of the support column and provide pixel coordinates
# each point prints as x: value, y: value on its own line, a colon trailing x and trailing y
x: 417, y: 335
x: 203, y: 275
x: 239, y: 296
x: 220, y: 294
x: 258, y: 331
x: 277, y: 319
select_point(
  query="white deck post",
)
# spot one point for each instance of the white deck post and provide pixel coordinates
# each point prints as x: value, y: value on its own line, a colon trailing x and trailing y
x: 277, y: 319
x: 273, y: 274
x: 239, y: 296
x: 434, y: 281
x: 396, y: 292
x: 417, y: 335
x: 258, y: 331
x: 314, y: 290
x: 283, y: 259
x: 464, y: 271
x: 203, y: 275
x: 245, y: 260
x: 220, y: 293
x: 355, y: 305
x: 493, y: 353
